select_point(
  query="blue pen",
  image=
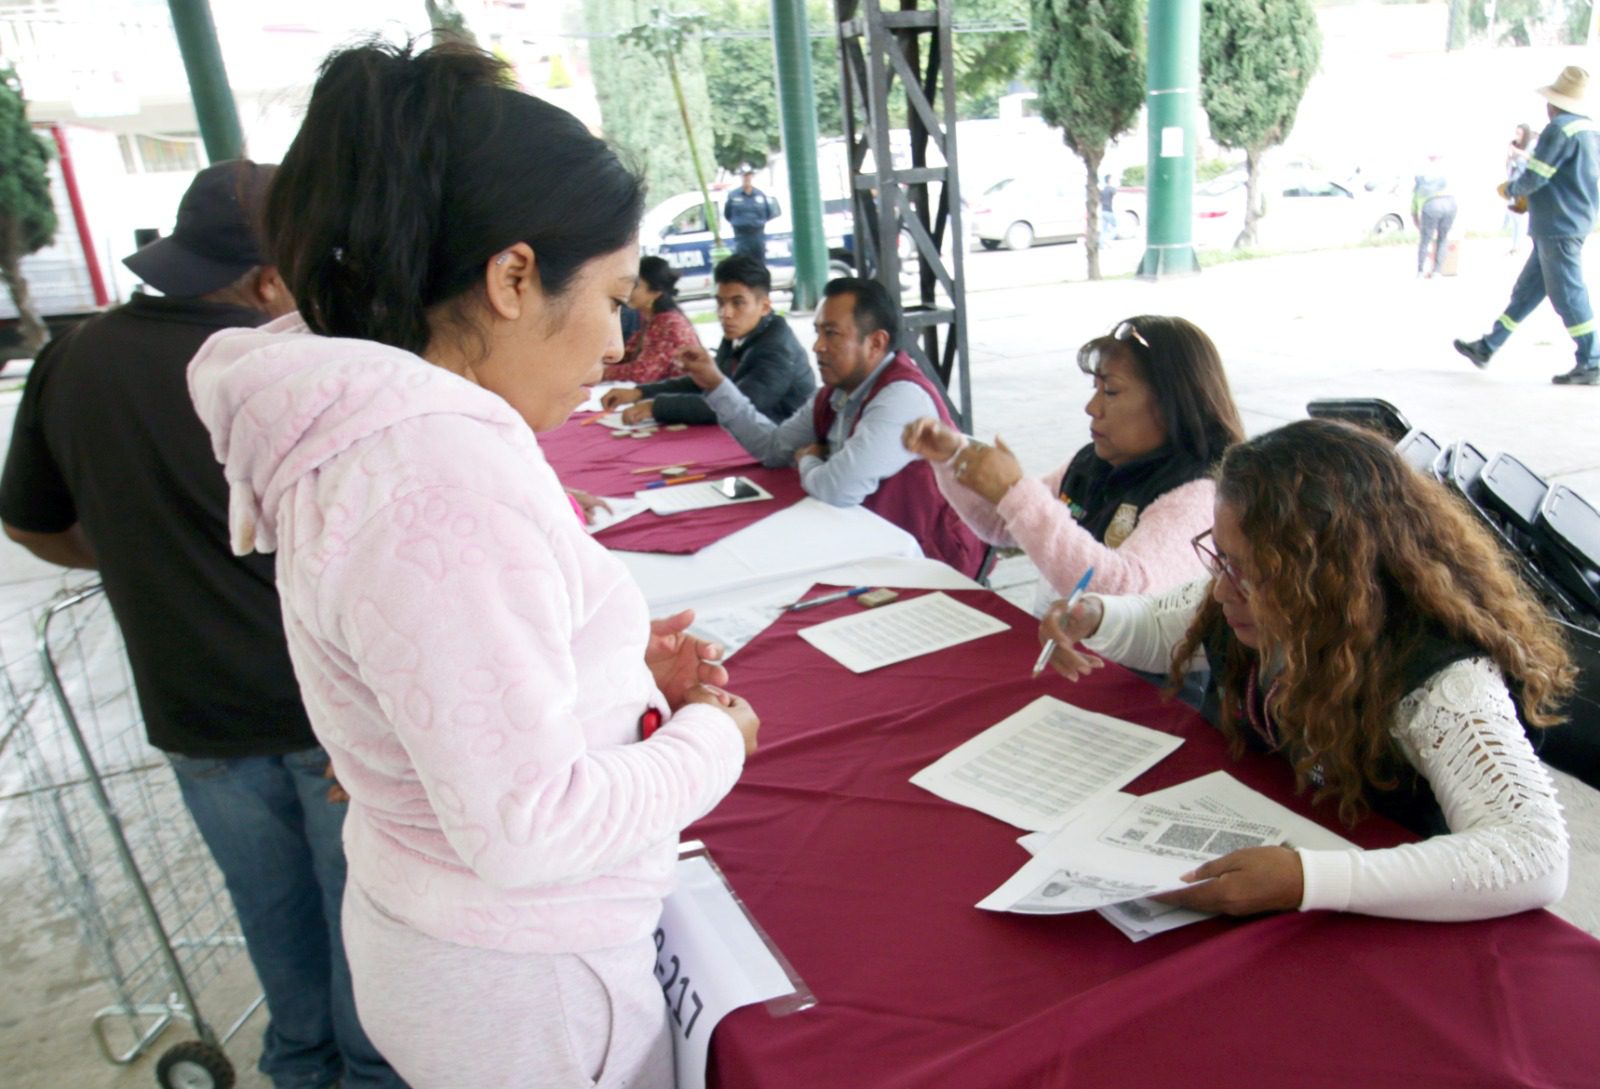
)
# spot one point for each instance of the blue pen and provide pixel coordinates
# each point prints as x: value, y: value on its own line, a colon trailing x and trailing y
x: 826, y: 598
x: 1050, y: 644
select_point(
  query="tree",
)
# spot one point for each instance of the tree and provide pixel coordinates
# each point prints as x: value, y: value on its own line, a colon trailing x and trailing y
x: 666, y: 37
x: 1089, y: 62
x: 27, y: 215
x: 448, y: 23
x: 1256, y: 59
x: 638, y: 107
x: 987, y: 57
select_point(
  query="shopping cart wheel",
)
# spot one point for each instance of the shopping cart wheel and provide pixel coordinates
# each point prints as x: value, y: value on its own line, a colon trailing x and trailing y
x: 194, y: 1065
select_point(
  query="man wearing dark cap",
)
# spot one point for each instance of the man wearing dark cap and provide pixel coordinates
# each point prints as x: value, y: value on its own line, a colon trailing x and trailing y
x: 111, y: 470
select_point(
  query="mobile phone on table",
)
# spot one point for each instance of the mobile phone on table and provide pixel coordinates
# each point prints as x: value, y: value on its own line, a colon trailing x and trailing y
x: 737, y: 487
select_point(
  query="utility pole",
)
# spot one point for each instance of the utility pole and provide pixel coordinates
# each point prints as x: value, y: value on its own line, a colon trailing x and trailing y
x: 797, y: 119
x: 208, y: 79
x: 1173, y: 108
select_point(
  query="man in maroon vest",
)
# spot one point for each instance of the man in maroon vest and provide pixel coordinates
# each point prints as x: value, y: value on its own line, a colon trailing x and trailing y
x: 846, y: 440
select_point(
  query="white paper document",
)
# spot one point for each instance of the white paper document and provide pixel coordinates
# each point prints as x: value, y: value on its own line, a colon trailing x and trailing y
x: 710, y: 961
x: 1119, y: 848
x: 733, y: 627
x: 597, y: 393
x: 894, y: 633
x: 1034, y: 767
x: 701, y: 495
x: 622, y: 507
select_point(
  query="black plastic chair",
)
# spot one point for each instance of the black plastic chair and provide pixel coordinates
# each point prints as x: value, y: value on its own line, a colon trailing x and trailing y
x: 1369, y: 412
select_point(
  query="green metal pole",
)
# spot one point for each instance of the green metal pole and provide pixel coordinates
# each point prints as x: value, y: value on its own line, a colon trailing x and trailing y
x: 1173, y: 111
x: 797, y: 119
x: 208, y: 79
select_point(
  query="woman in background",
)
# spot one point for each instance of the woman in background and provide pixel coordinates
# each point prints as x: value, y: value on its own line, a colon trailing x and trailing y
x: 1129, y: 502
x: 651, y: 354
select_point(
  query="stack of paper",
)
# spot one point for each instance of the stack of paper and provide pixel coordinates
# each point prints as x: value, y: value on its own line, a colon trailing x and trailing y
x: 700, y: 495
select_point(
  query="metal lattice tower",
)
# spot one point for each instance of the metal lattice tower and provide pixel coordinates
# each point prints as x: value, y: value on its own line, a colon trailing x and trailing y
x: 907, y: 196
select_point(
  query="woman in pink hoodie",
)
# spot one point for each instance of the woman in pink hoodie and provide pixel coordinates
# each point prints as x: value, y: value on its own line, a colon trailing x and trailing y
x: 520, y: 743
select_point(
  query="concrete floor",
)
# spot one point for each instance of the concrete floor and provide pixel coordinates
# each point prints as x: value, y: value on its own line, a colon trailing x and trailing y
x: 1342, y: 323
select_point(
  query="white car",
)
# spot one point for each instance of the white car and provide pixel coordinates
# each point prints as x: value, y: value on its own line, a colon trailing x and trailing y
x: 1044, y: 207
x: 1305, y: 208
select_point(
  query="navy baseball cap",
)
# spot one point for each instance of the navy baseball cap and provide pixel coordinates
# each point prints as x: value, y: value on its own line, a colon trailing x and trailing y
x: 216, y: 239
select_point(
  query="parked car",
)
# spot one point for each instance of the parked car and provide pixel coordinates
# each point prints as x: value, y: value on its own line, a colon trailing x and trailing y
x: 1046, y: 207
x: 1304, y: 207
x: 676, y: 230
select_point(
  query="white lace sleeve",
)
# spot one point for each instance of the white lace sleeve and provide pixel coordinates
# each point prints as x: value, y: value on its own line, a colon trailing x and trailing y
x: 1140, y: 631
x: 1507, y: 846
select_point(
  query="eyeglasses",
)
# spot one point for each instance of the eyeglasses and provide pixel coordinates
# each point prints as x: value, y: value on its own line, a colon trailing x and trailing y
x: 1220, y: 566
x: 1092, y: 354
x: 1126, y: 330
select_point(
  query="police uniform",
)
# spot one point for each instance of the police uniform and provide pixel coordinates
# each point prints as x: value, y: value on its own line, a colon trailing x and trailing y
x: 747, y: 214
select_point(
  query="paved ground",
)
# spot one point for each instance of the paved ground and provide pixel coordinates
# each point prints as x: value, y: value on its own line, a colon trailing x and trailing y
x: 1344, y: 323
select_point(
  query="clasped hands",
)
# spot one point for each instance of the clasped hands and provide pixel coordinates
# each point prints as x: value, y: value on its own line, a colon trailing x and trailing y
x: 990, y: 471
x: 688, y: 670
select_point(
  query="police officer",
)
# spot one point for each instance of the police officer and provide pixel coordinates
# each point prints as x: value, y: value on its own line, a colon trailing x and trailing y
x: 1562, y: 190
x: 747, y: 211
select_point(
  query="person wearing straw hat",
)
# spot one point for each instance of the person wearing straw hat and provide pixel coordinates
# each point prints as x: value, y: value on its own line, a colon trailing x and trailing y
x: 1561, y: 188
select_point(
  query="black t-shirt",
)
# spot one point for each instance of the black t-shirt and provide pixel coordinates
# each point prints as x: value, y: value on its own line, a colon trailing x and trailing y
x: 107, y: 437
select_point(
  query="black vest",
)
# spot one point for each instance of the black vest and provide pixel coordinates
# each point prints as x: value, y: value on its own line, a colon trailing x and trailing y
x: 1095, y: 489
x: 1410, y: 802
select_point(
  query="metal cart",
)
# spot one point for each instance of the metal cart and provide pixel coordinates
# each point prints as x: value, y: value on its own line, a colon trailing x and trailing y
x: 119, y: 846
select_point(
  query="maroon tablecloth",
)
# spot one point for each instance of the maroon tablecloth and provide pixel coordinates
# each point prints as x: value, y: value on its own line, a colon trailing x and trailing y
x: 588, y: 457
x: 867, y: 884
x: 692, y: 530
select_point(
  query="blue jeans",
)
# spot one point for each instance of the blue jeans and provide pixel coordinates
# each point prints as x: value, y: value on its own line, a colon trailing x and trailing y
x: 277, y: 840
x: 1554, y: 268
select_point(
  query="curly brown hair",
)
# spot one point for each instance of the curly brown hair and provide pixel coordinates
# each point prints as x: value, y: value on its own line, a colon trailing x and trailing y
x: 1357, y: 559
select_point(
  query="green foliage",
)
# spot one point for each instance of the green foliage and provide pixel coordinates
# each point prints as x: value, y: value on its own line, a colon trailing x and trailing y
x: 1518, y: 22
x: 27, y: 215
x: 1089, y: 62
x: 741, y: 80
x: 638, y: 108
x: 1256, y: 59
x: 988, y: 61
x: 447, y: 22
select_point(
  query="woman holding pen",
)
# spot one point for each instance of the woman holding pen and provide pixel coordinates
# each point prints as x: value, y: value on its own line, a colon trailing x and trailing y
x: 1361, y: 624
x: 1128, y: 503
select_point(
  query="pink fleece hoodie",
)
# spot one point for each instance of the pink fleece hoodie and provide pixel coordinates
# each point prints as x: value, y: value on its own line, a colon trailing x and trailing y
x: 472, y: 661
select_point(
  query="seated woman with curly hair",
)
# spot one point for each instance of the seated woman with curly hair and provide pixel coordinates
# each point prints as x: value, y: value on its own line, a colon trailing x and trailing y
x: 1360, y: 623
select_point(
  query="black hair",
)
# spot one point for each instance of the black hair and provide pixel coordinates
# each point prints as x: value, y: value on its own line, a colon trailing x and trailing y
x: 875, y: 308
x: 658, y: 275
x: 741, y: 268
x: 413, y: 169
x: 1184, y: 371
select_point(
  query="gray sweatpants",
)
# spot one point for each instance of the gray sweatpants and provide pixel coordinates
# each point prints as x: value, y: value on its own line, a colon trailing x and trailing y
x: 1438, y: 216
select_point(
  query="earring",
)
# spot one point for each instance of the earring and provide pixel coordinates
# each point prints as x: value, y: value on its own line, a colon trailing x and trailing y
x: 502, y: 259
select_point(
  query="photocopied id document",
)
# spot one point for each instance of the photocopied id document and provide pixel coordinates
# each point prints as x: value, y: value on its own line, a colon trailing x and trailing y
x: 1120, y: 848
x: 701, y: 495
x: 875, y: 638
x: 1034, y: 767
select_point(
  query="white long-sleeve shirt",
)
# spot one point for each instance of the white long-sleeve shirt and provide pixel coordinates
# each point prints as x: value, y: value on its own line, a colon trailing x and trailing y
x: 1507, y: 846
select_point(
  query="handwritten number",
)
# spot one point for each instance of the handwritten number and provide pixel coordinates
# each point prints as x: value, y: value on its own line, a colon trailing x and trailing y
x: 698, y: 1006
x: 667, y: 986
x: 683, y: 989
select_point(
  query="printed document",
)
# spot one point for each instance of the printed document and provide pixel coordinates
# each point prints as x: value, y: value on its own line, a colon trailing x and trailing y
x: 1036, y: 766
x: 1119, y: 848
x: 701, y: 495
x: 894, y: 633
